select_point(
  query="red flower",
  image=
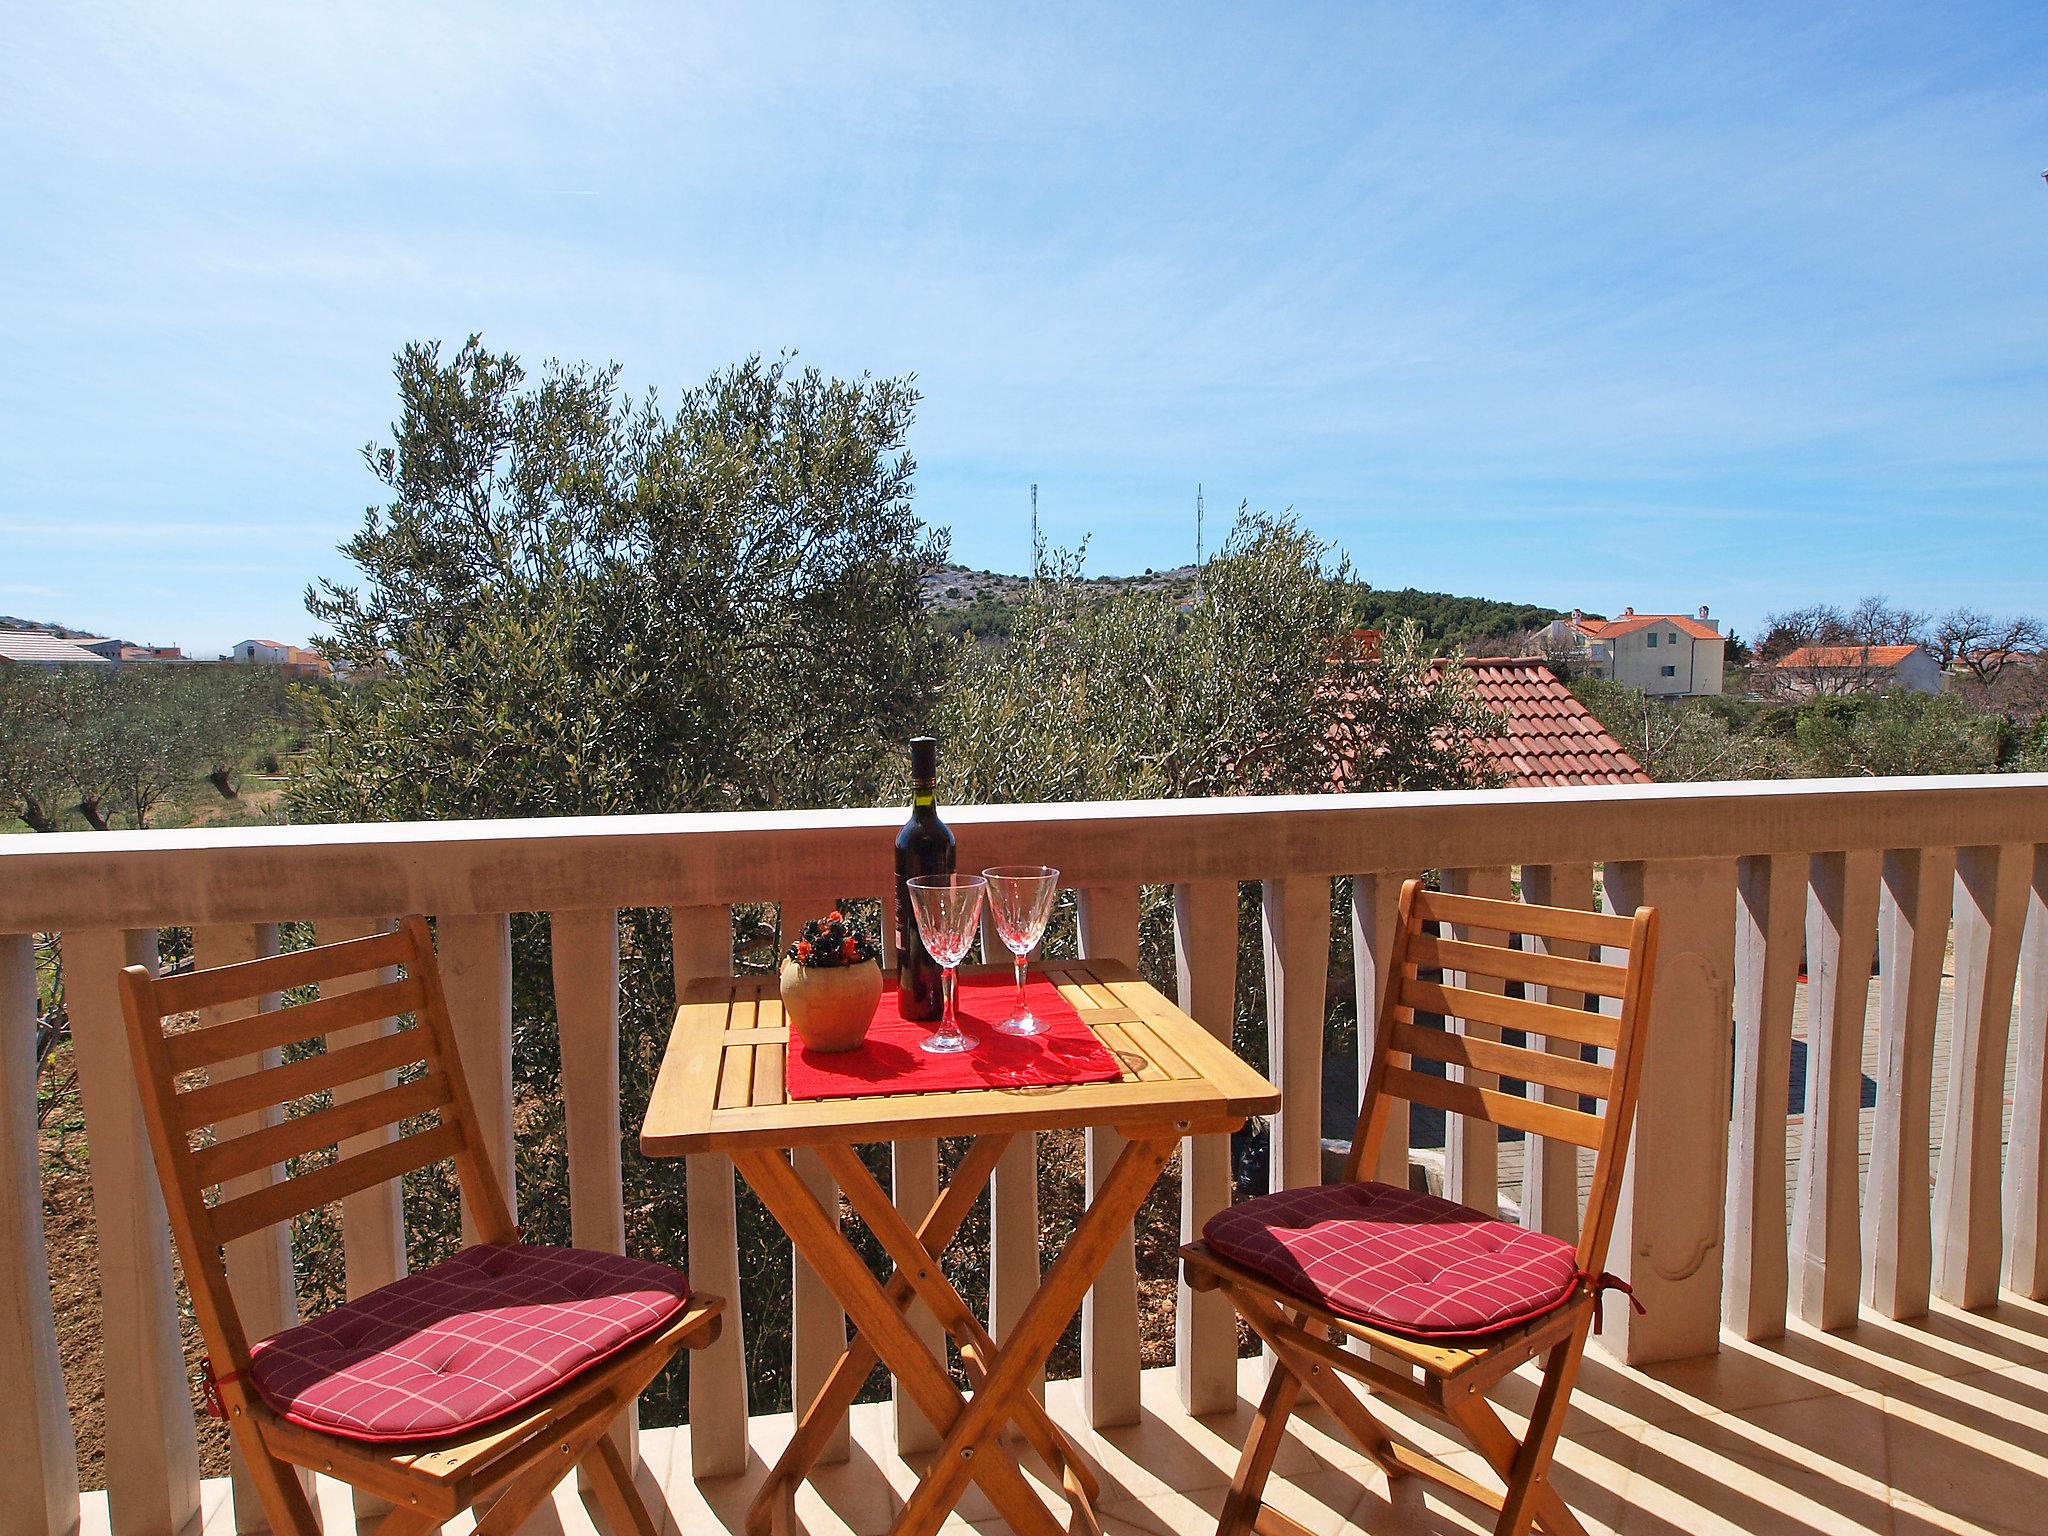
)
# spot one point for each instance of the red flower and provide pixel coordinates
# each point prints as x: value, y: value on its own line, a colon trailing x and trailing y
x: 803, y: 950
x: 850, y: 950
x: 835, y: 916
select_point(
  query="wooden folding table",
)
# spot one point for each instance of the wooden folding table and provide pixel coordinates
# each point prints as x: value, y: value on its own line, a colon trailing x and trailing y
x: 721, y: 1089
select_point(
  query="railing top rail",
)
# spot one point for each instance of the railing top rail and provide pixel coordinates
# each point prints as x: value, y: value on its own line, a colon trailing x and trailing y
x: 260, y: 874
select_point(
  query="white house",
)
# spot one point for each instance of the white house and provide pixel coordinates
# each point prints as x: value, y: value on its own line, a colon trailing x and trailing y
x: 1666, y: 655
x: 1833, y: 670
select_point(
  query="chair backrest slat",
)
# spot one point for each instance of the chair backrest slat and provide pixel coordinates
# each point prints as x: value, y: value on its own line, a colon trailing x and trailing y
x: 1531, y: 967
x: 300, y: 1134
x: 1588, y: 1079
x: 1519, y: 1114
x: 273, y: 1203
x: 164, y: 1054
x: 1486, y: 912
x: 202, y: 1107
x: 1418, y: 996
x: 279, y: 973
x: 1483, y: 948
x: 272, y: 1027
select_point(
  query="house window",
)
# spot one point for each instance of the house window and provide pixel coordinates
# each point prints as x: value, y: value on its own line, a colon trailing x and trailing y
x: 1653, y: 638
x: 1671, y: 671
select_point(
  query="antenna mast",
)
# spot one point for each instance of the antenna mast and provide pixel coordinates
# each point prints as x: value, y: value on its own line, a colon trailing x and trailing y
x: 1198, y: 538
x: 1034, y: 527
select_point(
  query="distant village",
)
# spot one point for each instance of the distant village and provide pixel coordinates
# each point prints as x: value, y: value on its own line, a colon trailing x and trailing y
x: 24, y: 644
x: 1528, y: 679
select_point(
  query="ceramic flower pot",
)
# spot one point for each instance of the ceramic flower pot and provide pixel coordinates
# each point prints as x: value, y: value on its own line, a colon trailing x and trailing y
x: 831, y: 1006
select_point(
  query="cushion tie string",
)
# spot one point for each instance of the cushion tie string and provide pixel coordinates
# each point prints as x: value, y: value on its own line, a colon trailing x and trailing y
x: 1604, y: 1282
x: 211, y: 1385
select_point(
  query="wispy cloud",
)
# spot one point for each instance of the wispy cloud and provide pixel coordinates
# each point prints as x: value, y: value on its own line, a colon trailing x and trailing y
x: 1558, y: 303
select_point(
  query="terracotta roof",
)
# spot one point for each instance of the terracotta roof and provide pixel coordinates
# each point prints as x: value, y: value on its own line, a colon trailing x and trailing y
x: 1847, y: 656
x: 1551, y: 738
x: 1603, y: 629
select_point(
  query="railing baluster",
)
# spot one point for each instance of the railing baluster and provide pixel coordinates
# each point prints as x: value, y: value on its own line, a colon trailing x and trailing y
x: 1668, y: 1234
x: 152, y: 1449
x: 39, y: 1475
x: 1375, y: 909
x: 1109, y: 1317
x: 372, y: 1220
x: 718, y: 1373
x: 914, y: 1185
x: 1769, y: 932
x: 1550, y: 1168
x: 1205, y: 965
x: 2026, y: 1160
x: 817, y: 1327
x: 1841, y: 941
x: 1014, y: 1271
x: 584, y: 954
x: 1295, y: 918
x: 1472, y: 1145
x: 476, y: 963
x: 1991, y: 905
x: 259, y: 1266
x: 1919, y: 886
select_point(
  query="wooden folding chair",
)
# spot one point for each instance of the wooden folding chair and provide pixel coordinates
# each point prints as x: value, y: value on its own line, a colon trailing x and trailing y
x: 1448, y: 1376
x: 514, y: 1460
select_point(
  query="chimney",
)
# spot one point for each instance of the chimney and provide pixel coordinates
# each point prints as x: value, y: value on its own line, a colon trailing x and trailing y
x: 1703, y: 613
x: 1628, y: 613
x: 1578, y: 616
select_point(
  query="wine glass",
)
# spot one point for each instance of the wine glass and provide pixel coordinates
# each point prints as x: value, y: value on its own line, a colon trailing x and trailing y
x: 1021, y: 897
x: 948, y: 910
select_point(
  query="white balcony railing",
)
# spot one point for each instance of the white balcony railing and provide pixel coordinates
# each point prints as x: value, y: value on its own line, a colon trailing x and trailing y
x: 1753, y: 881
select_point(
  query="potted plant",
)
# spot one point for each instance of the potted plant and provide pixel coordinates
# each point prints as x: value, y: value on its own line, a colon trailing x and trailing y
x: 831, y: 983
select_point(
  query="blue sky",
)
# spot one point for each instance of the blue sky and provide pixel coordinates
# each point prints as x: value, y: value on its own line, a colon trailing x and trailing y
x: 1662, y: 305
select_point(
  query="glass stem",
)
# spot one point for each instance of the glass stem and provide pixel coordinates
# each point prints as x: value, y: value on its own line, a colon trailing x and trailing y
x: 1019, y: 962
x: 950, y: 1025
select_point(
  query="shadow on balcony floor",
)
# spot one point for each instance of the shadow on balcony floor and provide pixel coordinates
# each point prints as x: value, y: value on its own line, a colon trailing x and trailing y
x: 1939, y: 1425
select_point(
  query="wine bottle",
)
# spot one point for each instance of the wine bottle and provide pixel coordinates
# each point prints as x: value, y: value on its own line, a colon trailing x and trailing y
x: 923, y: 847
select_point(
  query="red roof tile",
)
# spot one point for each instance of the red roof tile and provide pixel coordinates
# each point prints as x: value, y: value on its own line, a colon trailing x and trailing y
x: 1550, y: 739
x: 1602, y: 629
x: 1847, y: 657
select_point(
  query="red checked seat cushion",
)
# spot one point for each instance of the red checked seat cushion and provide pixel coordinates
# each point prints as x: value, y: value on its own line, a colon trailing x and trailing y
x: 454, y: 1347
x: 1406, y: 1262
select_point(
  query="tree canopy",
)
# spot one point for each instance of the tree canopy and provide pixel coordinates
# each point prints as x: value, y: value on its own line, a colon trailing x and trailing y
x: 586, y: 603
x: 1247, y: 686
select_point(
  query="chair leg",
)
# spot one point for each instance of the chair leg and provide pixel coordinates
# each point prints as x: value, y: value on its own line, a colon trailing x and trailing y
x: 611, y: 1480
x: 523, y: 1494
x: 1530, y: 1497
x: 405, y: 1522
x: 1269, y: 1431
x: 283, y: 1497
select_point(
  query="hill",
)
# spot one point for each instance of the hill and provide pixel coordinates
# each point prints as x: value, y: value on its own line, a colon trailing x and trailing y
x: 965, y: 600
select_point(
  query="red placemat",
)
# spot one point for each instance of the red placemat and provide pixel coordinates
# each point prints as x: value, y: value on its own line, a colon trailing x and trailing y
x: 889, y: 1060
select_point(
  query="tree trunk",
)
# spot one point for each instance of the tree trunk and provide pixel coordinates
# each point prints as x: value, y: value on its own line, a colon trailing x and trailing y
x: 220, y: 780
x: 38, y: 819
x: 89, y: 808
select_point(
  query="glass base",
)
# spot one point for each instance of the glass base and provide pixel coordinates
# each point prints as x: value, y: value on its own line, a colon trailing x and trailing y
x: 946, y: 1045
x: 1026, y: 1025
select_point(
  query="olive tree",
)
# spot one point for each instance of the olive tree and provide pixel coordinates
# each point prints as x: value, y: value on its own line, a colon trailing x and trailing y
x: 574, y: 602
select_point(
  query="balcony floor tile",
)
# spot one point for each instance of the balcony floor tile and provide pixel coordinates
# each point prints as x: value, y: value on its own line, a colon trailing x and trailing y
x: 1934, y: 1425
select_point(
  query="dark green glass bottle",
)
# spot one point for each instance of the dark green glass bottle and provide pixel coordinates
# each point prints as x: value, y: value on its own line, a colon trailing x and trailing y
x: 923, y: 847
